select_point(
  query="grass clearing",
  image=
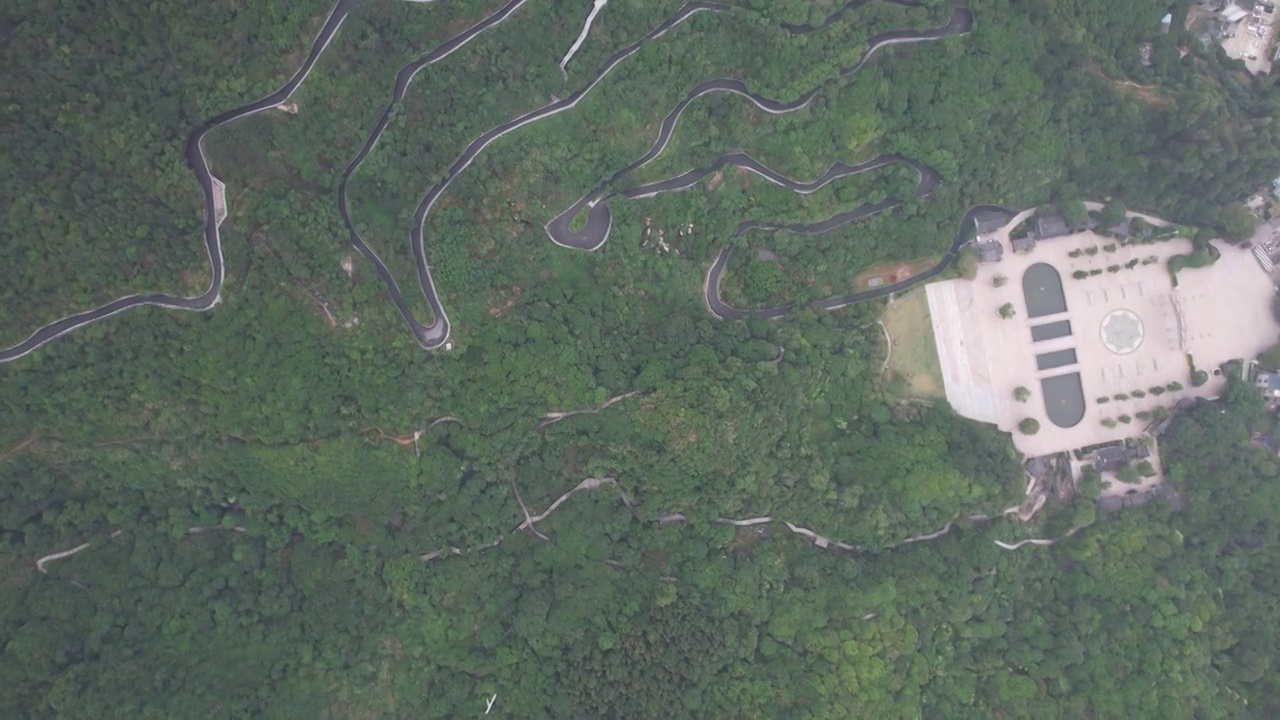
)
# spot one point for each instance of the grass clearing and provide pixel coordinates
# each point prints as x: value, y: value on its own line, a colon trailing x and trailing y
x: 913, y: 356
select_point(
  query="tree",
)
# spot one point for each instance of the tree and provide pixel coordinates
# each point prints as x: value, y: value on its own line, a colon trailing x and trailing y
x: 1007, y: 311
x: 999, y: 281
x: 1021, y: 394
x: 1112, y: 214
x: 1029, y: 426
x: 1146, y: 469
x: 1127, y: 474
x: 1238, y: 223
x: 1269, y: 359
x: 1074, y: 212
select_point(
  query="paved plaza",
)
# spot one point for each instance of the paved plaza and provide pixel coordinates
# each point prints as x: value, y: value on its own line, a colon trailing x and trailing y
x: 1128, y: 330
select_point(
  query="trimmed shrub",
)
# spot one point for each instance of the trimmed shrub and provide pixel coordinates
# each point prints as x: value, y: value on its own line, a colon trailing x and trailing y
x: 1119, y: 397
x: 1029, y: 426
x: 1108, y: 422
x: 1103, y: 400
x: 1110, y: 247
x: 1080, y: 274
x: 1173, y: 386
x: 1137, y: 394
x: 1142, y: 415
x: 1125, y: 419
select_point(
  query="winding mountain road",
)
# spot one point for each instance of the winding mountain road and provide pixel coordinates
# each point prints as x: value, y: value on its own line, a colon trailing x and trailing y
x: 599, y: 219
x: 215, y: 204
x: 717, y: 307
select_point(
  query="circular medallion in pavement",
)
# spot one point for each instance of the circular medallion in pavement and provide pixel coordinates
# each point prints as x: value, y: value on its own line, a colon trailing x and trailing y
x: 1122, y: 331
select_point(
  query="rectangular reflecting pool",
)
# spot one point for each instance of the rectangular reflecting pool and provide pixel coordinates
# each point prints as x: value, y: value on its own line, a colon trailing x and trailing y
x: 1051, y: 331
x: 1057, y: 359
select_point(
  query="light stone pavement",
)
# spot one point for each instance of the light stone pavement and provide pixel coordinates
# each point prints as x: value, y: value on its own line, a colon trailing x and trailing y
x: 1215, y: 314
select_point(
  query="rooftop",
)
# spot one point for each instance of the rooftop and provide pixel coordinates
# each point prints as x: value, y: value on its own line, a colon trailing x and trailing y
x: 989, y: 222
x: 989, y: 251
x: 1051, y: 226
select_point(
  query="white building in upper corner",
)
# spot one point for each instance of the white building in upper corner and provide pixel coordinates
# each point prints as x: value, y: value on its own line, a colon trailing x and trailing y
x: 1233, y: 13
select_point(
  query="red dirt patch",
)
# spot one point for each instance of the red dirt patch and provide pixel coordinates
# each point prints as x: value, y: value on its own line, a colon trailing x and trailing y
x: 893, y: 272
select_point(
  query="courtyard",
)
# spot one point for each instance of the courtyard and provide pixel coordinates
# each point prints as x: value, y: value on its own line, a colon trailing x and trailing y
x: 1097, y: 338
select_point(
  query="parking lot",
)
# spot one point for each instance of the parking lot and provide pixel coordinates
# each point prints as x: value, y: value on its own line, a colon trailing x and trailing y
x: 1252, y: 41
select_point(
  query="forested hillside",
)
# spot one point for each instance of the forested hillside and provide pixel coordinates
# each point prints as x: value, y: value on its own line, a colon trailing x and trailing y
x: 283, y: 507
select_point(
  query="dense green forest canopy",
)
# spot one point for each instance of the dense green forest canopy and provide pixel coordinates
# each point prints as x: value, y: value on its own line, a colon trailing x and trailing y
x: 290, y: 510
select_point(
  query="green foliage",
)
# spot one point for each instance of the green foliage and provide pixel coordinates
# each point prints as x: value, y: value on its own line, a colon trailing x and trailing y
x: 967, y: 262
x: 1112, y: 214
x: 1029, y: 426
x: 1021, y: 394
x: 1269, y: 359
x: 259, y: 487
x: 1203, y: 255
x: 1006, y: 311
x: 1074, y: 213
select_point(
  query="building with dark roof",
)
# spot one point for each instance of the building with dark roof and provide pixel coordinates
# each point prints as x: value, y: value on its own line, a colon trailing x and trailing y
x: 1113, y: 458
x: 1025, y: 244
x: 989, y: 251
x: 1133, y: 498
x: 989, y: 222
x: 1051, y: 226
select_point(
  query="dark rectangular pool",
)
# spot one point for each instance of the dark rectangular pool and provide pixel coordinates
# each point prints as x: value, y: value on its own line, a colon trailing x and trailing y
x: 1063, y: 399
x: 1057, y: 359
x: 1042, y: 289
x: 1051, y: 331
